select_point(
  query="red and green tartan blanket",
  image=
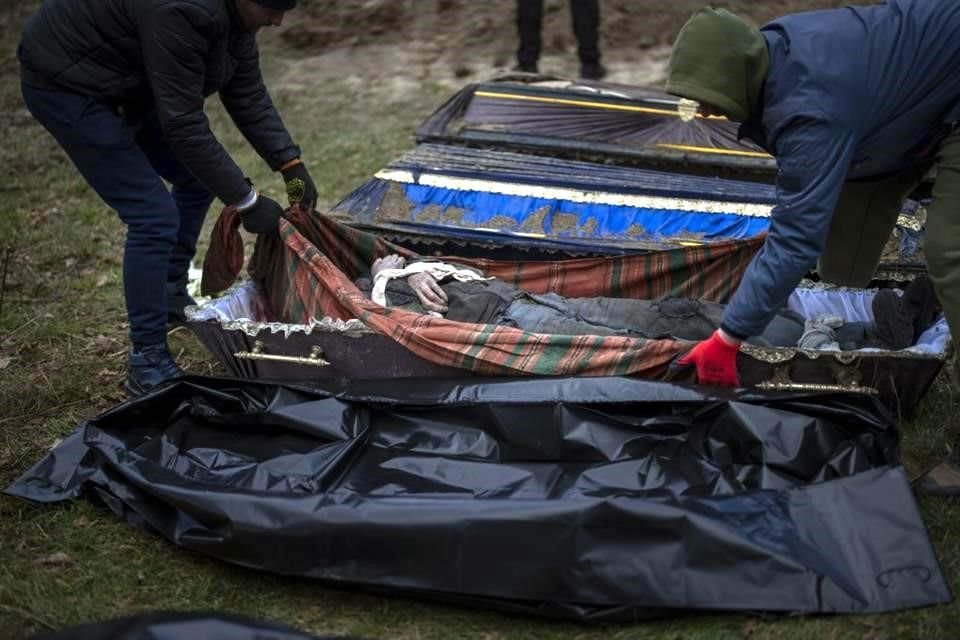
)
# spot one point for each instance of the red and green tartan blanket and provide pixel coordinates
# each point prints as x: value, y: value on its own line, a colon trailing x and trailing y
x: 307, y: 270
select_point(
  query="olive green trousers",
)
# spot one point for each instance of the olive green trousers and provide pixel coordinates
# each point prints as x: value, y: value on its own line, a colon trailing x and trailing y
x: 865, y: 217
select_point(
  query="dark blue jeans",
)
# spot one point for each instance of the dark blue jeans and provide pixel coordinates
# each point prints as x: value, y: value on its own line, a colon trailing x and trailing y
x: 126, y: 164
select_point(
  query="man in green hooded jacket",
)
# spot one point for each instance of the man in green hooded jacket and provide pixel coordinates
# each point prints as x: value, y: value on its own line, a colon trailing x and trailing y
x: 856, y: 104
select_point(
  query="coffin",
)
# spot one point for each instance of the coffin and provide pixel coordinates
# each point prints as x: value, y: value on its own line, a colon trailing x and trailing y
x: 579, y: 119
x: 507, y: 204
x: 316, y: 325
x: 573, y: 188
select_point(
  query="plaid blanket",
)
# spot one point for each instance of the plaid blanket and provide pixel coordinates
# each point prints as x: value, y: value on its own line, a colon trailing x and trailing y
x: 307, y: 270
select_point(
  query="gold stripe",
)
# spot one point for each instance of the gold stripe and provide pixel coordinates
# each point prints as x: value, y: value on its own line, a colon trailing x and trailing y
x: 579, y: 103
x: 731, y: 152
x: 624, y: 107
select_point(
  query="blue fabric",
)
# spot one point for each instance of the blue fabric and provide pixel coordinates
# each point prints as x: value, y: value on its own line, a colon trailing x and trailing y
x: 599, y: 221
x: 126, y: 165
x: 851, y: 93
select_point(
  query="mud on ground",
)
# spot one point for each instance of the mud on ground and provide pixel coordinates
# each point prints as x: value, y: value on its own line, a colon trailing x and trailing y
x: 451, y: 42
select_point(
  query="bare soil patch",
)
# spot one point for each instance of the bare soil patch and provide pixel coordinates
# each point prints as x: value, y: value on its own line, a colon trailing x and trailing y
x: 401, y: 43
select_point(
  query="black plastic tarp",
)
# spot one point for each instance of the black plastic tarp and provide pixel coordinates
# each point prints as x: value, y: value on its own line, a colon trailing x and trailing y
x: 590, y: 498
x: 181, y: 626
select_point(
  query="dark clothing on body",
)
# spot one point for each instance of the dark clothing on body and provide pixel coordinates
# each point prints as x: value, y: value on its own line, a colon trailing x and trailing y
x: 495, y: 302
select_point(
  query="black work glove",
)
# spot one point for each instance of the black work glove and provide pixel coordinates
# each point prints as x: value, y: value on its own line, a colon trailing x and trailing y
x: 300, y: 187
x: 263, y: 216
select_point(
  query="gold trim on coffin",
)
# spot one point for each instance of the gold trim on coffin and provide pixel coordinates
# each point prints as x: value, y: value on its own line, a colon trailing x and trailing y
x: 315, y: 358
x: 843, y: 365
x: 780, y: 381
x: 846, y: 375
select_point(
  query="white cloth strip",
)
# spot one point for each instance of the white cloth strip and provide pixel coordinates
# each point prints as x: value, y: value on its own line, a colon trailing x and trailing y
x: 576, y: 195
x: 438, y: 270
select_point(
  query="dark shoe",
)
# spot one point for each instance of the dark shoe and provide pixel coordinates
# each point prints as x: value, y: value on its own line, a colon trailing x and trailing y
x: 593, y: 71
x: 892, y: 321
x: 943, y: 480
x: 921, y: 304
x: 525, y: 67
x: 149, y: 368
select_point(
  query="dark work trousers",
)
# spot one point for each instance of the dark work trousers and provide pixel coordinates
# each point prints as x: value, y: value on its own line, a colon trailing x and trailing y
x: 585, y: 15
x: 867, y: 213
x: 668, y: 317
x: 126, y: 165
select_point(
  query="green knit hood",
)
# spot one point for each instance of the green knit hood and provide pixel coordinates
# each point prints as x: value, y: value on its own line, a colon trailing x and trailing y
x: 721, y: 60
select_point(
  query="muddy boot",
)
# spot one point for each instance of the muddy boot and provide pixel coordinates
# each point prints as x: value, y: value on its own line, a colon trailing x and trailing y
x: 149, y: 368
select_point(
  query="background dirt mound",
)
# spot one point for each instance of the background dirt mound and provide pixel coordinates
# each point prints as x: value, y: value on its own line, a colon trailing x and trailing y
x: 452, y: 41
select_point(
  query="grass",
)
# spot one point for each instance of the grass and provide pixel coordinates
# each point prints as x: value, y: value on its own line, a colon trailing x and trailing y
x: 62, y: 356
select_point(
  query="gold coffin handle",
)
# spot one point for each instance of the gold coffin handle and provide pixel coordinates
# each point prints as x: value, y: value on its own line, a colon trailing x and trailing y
x: 315, y: 358
x: 813, y: 386
x: 848, y: 378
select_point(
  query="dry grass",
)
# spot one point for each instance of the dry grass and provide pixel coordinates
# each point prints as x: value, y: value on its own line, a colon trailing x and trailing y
x: 62, y: 349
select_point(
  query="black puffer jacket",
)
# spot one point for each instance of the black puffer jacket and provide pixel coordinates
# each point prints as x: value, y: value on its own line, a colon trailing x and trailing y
x: 168, y: 53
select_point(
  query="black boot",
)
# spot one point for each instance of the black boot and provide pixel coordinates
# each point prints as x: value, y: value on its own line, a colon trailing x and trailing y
x: 150, y: 367
x: 593, y: 71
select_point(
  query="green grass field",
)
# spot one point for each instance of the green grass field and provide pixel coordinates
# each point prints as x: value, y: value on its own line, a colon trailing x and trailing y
x: 62, y: 358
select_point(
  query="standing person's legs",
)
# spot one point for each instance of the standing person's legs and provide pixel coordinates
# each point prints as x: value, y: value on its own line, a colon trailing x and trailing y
x: 192, y: 200
x: 529, y: 24
x: 864, y: 218
x: 942, y: 236
x: 942, y: 247
x: 585, y: 15
x: 102, y: 147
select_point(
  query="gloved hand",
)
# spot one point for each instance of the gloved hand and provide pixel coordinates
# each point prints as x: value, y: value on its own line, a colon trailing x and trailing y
x: 432, y: 297
x: 262, y: 216
x: 300, y: 187
x: 715, y: 359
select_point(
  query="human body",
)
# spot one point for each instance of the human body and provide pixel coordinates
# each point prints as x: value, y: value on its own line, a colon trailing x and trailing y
x: 480, y: 300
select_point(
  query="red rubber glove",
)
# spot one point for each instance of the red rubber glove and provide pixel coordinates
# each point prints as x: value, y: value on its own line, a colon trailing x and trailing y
x: 716, y: 360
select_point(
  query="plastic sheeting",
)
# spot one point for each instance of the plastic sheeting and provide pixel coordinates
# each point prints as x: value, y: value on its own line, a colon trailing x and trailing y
x: 180, y: 626
x: 592, y: 499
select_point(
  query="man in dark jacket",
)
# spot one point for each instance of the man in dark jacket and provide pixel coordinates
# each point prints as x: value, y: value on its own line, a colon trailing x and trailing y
x: 856, y: 104
x: 121, y: 86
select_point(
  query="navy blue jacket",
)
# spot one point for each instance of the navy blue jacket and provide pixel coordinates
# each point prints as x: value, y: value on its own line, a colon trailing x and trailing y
x: 850, y: 93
